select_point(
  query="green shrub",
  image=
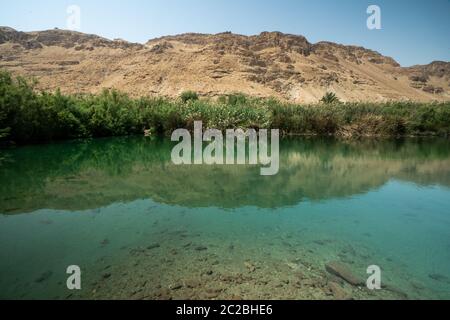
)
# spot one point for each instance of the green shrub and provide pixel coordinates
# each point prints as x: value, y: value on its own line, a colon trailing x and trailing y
x: 233, y: 99
x: 189, y: 96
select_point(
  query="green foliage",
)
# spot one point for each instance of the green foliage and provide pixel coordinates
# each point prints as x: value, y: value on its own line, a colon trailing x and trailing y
x: 28, y: 116
x: 189, y: 96
x: 233, y: 99
x: 329, y: 98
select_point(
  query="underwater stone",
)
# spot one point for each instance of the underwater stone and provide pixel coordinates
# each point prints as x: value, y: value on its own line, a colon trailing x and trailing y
x: 176, y: 286
x: 438, y: 277
x: 341, y: 270
x: 250, y: 266
x: 43, y: 277
x: 153, y: 246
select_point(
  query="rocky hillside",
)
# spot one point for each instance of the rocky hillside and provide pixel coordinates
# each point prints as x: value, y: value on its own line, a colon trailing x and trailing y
x: 270, y: 64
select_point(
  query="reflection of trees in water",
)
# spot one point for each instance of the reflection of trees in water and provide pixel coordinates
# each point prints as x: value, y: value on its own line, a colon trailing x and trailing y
x: 81, y: 175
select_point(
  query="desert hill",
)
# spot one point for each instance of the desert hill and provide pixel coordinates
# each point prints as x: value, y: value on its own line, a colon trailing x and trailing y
x: 269, y: 64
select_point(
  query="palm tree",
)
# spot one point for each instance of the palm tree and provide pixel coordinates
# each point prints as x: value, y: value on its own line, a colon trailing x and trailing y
x: 330, y: 98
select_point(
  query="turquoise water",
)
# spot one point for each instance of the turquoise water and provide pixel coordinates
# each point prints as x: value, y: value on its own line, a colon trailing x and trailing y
x: 141, y: 228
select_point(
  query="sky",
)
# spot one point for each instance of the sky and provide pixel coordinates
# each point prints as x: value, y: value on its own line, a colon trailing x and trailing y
x: 412, y: 32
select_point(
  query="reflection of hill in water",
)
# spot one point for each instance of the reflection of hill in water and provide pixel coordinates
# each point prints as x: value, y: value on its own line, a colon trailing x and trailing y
x: 78, y: 176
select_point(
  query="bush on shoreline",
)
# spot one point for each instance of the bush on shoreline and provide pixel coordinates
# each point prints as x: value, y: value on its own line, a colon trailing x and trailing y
x: 28, y: 116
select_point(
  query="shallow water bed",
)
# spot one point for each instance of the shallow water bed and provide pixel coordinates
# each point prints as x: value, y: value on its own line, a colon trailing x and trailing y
x: 142, y: 228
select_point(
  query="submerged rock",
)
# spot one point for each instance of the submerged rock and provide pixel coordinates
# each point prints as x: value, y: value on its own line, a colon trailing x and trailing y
x: 187, y: 245
x: 43, y: 277
x: 438, y: 277
x: 323, y: 242
x: 341, y: 270
x: 293, y: 265
x: 137, y: 251
x: 153, y: 246
x: 250, y: 266
x: 176, y: 286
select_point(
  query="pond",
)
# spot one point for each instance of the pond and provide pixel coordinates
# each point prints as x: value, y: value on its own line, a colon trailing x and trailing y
x: 140, y: 227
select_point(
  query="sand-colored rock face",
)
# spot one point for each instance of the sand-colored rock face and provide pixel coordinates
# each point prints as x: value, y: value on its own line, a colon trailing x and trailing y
x: 270, y: 64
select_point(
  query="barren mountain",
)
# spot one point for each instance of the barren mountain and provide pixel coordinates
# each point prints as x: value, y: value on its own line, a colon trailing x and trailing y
x: 270, y: 64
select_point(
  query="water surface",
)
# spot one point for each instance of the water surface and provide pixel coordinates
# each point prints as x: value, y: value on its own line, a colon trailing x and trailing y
x: 142, y: 228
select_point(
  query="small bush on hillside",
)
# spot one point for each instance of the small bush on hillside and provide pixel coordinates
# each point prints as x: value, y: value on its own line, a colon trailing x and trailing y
x: 233, y: 99
x: 189, y: 96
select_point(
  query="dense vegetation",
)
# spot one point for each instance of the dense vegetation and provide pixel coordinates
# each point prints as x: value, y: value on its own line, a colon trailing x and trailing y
x: 27, y: 115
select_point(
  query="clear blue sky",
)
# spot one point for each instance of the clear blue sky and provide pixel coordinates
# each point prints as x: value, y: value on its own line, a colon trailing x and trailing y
x: 413, y: 32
